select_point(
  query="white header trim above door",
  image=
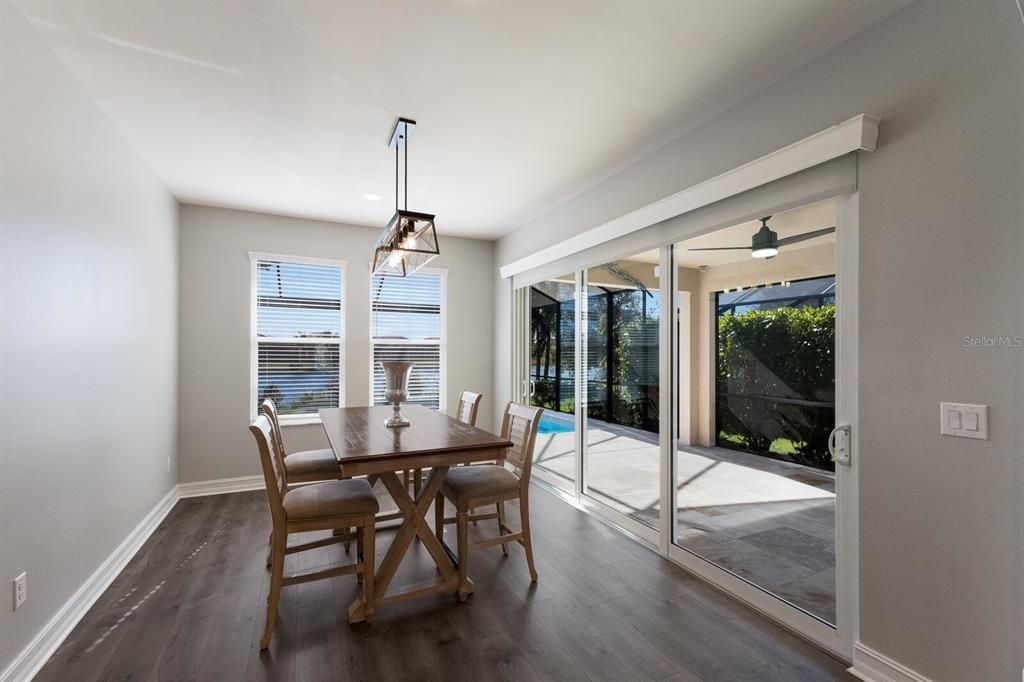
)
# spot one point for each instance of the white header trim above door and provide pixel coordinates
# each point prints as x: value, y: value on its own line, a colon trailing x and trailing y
x: 859, y: 133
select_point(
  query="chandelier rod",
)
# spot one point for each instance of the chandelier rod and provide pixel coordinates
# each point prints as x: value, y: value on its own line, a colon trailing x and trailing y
x: 405, y: 127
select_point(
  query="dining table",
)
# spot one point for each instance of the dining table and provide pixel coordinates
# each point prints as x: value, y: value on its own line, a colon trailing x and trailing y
x: 364, y: 446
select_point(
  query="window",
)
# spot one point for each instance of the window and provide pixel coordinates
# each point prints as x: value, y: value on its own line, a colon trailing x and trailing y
x: 407, y: 321
x: 298, y: 335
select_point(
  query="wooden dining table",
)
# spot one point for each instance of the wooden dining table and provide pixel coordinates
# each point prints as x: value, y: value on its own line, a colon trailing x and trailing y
x: 364, y: 446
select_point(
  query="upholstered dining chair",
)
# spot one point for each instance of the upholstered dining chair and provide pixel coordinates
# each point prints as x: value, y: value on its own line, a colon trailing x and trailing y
x: 330, y: 505
x: 474, y: 486
x: 469, y: 405
x: 305, y: 466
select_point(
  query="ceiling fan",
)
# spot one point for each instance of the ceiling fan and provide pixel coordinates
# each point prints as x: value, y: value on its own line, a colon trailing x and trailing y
x: 766, y: 243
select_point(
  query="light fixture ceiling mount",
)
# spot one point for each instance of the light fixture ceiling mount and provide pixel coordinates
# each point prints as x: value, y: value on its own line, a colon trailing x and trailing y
x: 409, y: 240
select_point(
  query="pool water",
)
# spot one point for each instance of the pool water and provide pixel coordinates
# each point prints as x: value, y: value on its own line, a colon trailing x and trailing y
x: 550, y: 424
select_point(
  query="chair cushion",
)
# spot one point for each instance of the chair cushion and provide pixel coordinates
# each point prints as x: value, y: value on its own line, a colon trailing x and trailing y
x: 330, y: 498
x: 463, y: 484
x: 318, y: 464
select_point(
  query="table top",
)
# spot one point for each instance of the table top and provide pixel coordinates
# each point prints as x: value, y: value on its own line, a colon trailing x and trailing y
x: 358, y: 435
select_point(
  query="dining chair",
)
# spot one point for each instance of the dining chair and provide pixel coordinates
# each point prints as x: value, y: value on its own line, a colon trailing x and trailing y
x: 474, y: 486
x: 469, y: 405
x: 336, y: 505
x: 306, y: 466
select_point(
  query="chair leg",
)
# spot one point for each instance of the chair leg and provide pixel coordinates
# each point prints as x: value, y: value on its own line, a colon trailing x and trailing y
x: 524, y: 520
x: 276, y: 579
x: 346, y: 531
x: 369, y: 564
x: 501, y: 526
x: 439, y: 517
x: 463, y: 532
x: 360, y: 552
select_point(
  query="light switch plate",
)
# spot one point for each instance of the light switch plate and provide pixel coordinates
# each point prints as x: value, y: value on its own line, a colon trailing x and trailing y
x: 964, y: 420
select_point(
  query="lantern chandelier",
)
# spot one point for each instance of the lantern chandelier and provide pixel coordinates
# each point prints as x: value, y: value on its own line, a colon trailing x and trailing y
x: 409, y: 241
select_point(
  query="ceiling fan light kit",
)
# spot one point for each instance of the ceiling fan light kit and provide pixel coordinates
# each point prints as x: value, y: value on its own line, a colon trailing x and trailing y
x: 409, y: 241
x: 763, y: 244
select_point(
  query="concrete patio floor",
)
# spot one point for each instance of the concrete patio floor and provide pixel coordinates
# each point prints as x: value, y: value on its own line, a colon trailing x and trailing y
x: 768, y: 521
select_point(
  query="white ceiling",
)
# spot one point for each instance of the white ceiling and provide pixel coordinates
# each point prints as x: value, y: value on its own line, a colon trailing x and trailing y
x: 287, y: 107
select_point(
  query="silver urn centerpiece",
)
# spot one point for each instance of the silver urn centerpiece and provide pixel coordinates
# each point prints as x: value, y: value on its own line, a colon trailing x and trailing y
x: 396, y: 389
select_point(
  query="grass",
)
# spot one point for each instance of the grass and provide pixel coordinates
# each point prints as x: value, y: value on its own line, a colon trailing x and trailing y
x: 779, y: 446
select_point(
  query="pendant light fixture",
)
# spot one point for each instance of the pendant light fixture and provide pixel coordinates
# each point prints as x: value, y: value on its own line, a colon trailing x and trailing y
x: 409, y: 241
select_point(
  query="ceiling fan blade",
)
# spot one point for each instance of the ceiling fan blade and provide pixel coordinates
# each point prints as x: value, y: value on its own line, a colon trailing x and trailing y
x: 805, y: 236
x: 723, y: 248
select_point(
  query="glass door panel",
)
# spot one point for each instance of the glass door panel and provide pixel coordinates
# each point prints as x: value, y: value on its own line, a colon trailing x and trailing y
x: 621, y: 387
x: 754, y: 484
x: 552, y: 378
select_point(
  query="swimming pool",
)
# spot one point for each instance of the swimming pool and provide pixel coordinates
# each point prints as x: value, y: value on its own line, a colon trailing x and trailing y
x: 555, y: 423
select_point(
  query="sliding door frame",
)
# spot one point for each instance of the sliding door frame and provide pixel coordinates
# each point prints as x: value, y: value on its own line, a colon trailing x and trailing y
x: 668, y: 396
x: 838, y: 639
x: 639, y: 531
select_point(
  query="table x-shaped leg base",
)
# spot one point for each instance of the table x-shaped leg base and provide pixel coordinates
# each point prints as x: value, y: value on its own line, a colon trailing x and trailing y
x: 414, y: 513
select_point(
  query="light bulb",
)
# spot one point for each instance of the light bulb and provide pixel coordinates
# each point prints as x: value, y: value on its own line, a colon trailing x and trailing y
x: 409, y: 243
x: 766, y: 252
x: 395, y: 259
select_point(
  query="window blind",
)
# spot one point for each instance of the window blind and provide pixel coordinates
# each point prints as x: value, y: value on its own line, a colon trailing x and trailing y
x: 299, y: 333
x: 407, y: 323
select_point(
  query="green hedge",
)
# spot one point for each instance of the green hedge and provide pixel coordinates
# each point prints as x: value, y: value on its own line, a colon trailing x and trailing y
x: 779, y: 353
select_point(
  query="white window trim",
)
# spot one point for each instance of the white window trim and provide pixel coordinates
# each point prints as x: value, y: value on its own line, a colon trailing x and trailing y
x: 254, y: 258
x: 442, y: 404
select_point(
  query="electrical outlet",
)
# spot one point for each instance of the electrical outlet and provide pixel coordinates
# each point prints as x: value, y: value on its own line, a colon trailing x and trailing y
x: 20, y: 590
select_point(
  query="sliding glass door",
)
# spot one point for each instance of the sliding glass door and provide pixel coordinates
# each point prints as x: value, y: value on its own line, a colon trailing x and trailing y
x: 552, y: 378
x: 755, y: 482
x: 621, y: 458
x: 690, y: 395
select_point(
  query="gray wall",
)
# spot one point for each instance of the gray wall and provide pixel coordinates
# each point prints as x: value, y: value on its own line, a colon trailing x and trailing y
x: 88, y: 334
x: 214, y: 323
x: 941, y: 253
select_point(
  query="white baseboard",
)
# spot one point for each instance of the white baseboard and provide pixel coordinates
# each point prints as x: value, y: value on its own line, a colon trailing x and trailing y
x: 32, y: 657
x: 871, y: 666
x: 25, y: 666
x: 220, y: 486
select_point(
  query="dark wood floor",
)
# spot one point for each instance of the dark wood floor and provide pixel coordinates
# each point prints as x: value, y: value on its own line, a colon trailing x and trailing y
x: 190, y: 606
